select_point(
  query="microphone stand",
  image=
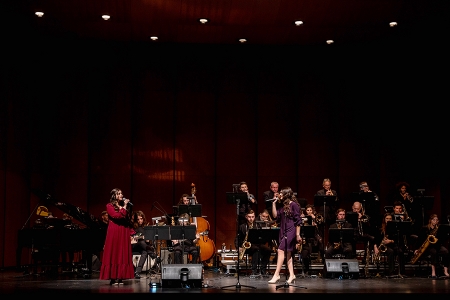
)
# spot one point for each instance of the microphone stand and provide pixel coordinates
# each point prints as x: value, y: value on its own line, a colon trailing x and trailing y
x: 238, y: 284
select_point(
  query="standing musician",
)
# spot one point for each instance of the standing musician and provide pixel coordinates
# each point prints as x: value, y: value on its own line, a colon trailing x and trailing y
x: 188, y: 246
x: 388, y: 245
x: 435, y: 247
x: 246, y: 206
x: 372, y: 207
x: 139, y: 244
x: 317, y: 241
x: 345, y: 248
x: 256, y: 251
x: 365, y: 232
x: 327, y: 191
x: 270, y: 195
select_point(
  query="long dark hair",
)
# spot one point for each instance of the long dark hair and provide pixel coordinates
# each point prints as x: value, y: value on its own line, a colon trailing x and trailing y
x: 288, y: 195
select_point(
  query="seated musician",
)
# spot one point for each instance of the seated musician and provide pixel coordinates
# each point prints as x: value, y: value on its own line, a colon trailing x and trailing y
x: 385, y: 244
x: 314, y: 242
x: 429, y: 244
x: 188, y: 246
x: 255, y: 251
x: 400, y: 215
x: 139, y: 244
x: 345, y: 248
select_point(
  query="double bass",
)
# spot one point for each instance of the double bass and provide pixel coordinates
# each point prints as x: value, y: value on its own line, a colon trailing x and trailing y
x: 206, y: 245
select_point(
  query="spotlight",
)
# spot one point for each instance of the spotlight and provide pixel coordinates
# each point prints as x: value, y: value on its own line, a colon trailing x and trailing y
x: 106, y: 17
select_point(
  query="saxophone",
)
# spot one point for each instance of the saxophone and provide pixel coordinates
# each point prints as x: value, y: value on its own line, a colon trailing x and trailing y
x: 431, y: 239
x: 245, y: 244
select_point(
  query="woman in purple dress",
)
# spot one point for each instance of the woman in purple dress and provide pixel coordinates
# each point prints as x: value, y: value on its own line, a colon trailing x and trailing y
x: 288, y: 216
x: 117, y: 262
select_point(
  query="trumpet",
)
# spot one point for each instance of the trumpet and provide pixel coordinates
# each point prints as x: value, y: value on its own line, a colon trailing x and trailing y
x: 407, y: 196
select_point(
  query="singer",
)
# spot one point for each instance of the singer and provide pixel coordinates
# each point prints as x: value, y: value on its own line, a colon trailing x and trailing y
x: 246, y: 205
x: 117, y: 248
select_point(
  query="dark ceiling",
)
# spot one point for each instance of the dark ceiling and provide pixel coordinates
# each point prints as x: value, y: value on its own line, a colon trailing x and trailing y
x: 261, y: 22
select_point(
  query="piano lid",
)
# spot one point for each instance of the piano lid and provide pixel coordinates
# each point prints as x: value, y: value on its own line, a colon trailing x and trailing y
x: 74, y: 211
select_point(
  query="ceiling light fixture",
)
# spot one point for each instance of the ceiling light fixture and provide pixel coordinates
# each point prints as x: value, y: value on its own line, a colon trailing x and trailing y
x: 329, y: 42
x: 39, y: 14
x: 153, y: 38
x: 393, y: 24
x: 203, y: 21
x: 242, y: 41
x: 298, y: 23
x: 106, y: 17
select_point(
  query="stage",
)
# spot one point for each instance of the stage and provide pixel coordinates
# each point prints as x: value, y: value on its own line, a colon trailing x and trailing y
x: 215, y: 280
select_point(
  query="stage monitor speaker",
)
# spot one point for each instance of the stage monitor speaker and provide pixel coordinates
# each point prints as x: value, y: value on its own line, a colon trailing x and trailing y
x: 182, y: 275
x: 341, y: 268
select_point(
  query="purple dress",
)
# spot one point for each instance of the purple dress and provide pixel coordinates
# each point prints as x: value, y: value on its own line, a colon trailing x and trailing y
x: 288, y: 226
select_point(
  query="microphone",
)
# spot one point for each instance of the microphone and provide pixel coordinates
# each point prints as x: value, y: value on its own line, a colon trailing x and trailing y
x: 153, y: 206
x: 129, y: 202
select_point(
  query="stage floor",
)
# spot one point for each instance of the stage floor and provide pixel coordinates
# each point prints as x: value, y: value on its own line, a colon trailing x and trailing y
x: 214, y: 280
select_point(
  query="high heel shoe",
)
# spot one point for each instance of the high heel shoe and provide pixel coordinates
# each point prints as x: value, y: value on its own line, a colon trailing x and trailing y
x: 274, y: 279
x: 291, y: 278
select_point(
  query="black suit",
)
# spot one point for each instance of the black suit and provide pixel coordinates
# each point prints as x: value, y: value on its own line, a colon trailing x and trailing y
x: 256, y: 251
x: 347, y: 247
x: 330, y: 208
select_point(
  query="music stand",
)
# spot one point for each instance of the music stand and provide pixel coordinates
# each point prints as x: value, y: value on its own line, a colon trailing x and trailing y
x: 443, y: 233
x: 398, y: 228
x: 236, y: 198
x: 352, y: 218
x: 192, y: 210
x: 343, y: 235
x: 322, y: 200
x: 425, y: 203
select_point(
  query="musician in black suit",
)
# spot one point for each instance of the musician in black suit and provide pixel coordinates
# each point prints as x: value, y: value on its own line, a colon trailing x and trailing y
x: 248, y: 204
x: 271, y: 194
x: 188, y: 246
x: 327, y: 191
x: 344, y: 248
x: 255, y: 251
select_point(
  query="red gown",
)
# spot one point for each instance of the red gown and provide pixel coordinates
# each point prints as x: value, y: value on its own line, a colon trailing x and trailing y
x: 117, y: 261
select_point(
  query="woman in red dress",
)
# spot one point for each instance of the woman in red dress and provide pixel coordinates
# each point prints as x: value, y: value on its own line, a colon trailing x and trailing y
x: 117, y: 263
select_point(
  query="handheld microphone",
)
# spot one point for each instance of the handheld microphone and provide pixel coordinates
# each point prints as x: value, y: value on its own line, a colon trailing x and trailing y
x: 129, y: 202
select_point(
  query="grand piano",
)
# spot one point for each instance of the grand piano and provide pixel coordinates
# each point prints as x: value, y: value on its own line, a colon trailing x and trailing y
x: 53, y: 236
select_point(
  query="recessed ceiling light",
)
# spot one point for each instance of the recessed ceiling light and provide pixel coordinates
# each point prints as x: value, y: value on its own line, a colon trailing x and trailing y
x: 330, y: 42
x: 39, y: 14
x: 242, y: 40
x: 203, y: 21
x: 298, y: 23
x: 393, y: 24
x: 106, y: 17
x: 153, y: 38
